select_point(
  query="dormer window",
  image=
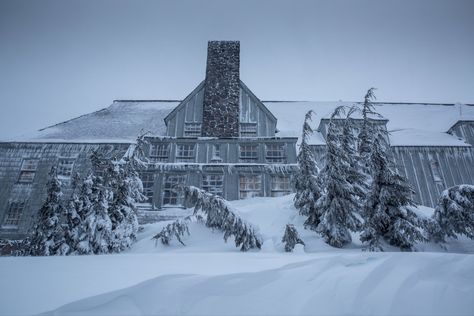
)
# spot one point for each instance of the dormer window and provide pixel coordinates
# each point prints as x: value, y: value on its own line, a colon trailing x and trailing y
x: 192, y: 129
x: 248, y: 129
x: 28, y: 170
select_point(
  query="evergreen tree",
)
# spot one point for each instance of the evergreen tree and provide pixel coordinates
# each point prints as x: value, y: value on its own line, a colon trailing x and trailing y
x: 74, y: 216
x: 306, y: 181
x: 216, y: 213
x: 127, y: 191
x: 387, y: 212
x: 454, y: 214
x: 97, y: 235
x: 339, y: 204
x: 48, y: 237
x: 177, y: 229
x: 365, y: 135
x: 355, y: 176
x: 291, y: 238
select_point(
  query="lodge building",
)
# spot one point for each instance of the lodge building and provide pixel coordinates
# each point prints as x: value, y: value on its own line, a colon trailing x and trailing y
x: 224, y: 139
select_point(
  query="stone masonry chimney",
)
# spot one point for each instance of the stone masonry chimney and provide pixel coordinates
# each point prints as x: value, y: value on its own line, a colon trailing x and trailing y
x: 221, y: 92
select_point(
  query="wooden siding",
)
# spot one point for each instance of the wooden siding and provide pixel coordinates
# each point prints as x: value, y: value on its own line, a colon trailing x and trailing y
x: 464, y: 130
x: 430, y: 170
x: 33, y: 194
x: 252, y: 110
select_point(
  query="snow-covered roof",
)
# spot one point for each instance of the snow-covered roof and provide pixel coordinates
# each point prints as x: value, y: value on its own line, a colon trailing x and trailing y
x: 409, y: 123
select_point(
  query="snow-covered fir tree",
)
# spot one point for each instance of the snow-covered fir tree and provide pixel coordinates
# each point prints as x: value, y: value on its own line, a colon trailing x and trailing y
x: 355, y: 175
x: 339, y: 203
x: 454, y: 214
x: 306, y: 181
x: 387, y: 215
x: 366, y: 132
x: 97, y: 235
x: 216, y: 213
x: 127, y: 189
x: 177, y: 229
x: 291, y: 238
x: 48, y: 237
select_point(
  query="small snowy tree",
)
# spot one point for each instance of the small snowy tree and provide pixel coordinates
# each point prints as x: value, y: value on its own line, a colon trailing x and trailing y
x: 454, y: 214
x: 218, y: 214
x: 387, y: 211
x: 177, y: 229
x: 291, y: 238
x: 307, y: 183
x: 48, y: 236
x: 339, y: 204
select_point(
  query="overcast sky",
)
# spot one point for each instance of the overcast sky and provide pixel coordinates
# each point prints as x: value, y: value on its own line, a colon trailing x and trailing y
x: 60, y: 59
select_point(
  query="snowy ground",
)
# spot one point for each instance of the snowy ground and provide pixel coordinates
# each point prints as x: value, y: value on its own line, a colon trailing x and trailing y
x: 209, y: 276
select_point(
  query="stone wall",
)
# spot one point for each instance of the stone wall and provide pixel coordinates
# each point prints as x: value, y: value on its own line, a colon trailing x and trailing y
x: 221, y: 92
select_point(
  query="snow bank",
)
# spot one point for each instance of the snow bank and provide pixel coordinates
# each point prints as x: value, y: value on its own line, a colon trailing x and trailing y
x: 361, y: 284
x: 208, y: 275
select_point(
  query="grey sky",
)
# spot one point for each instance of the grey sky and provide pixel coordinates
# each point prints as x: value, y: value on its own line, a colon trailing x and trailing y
x: 60, y: 59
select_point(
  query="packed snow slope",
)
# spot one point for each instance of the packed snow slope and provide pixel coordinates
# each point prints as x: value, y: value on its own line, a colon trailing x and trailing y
x: 209, y: 276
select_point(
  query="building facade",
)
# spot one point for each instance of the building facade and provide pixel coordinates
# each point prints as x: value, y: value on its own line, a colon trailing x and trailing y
x: 225, y: 140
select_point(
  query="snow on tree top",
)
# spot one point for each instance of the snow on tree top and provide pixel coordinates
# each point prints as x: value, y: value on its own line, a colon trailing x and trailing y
x: 411, y: 124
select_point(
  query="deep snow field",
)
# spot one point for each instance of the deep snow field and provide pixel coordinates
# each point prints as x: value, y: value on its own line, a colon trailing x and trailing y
x: 209, y: 276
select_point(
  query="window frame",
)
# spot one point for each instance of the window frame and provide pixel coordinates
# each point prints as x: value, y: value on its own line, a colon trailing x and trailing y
x: 63, y: 175
x: 171, y: 193
x: 192, y: 129
x: 218, y: 189
x: 257, y: 186
x: 159, y: 152
x: 275, y: 158
x: 191, y: 154
x: 276, y: 191
x: 250, y: 156
x: 28, y: 170
x: 19, y: 210
x: 248, y: 129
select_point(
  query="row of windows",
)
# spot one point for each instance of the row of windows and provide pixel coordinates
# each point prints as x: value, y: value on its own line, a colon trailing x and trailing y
x: 193, y: 129
x: 274, y: 153
x: 249, y: 186
x: 29, y: 167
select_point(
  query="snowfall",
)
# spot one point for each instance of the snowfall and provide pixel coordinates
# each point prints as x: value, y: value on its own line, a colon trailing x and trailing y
x: 209, y: 276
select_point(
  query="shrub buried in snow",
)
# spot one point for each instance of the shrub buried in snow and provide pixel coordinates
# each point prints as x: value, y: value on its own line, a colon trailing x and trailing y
x: 214, y: 212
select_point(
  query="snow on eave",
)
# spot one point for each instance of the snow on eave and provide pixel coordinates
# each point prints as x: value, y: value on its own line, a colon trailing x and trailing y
x: 422, y: 138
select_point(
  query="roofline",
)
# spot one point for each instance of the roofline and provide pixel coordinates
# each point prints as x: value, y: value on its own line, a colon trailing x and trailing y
x: 138, y: 100
x: 265, y: 109
x: 199, y: 86
x: 459, y: 121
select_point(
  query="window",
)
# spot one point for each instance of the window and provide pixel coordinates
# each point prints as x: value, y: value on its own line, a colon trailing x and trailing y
x: 436, y: 172
x: 216, y: 153
x: 248, y: 152
x: 248, y: 129
x: 275, y: 152
x: 159, y: 152
x: 65, y: 166
x: 192, y: 129
x: 250, y: 186
x: 13, y: 216
x: 185, y: 153
x: 213, y: 183
x: 148, y: 180
x: 172, y: 193
x: 280, y: 185
x: 28, y: 170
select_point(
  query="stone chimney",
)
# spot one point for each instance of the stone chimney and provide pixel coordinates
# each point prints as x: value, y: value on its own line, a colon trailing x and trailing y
x: 221, y: 92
